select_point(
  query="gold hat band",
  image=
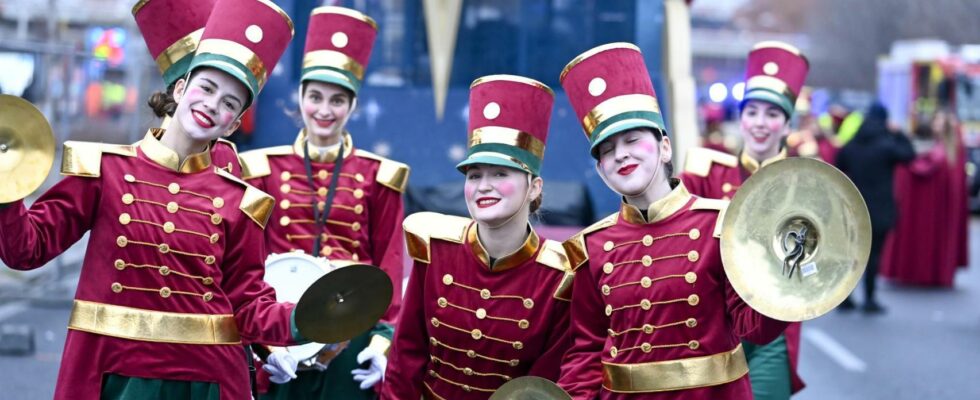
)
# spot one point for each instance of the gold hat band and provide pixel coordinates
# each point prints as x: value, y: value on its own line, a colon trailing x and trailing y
x: 508, y: 136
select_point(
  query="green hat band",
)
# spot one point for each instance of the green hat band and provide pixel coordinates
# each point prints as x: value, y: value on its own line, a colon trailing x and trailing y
x: 515, y: 157
x: 232, y: 67
x: 335, y: 76
x: 770, y: 96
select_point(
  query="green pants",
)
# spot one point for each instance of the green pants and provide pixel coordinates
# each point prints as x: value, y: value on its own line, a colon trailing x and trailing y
x: 335, y: 383
x: 118, y: 387
x: 769, y: 369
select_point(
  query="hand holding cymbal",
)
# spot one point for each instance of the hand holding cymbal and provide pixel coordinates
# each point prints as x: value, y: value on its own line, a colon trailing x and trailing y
x: 26, y: 148
x: 343, y: 303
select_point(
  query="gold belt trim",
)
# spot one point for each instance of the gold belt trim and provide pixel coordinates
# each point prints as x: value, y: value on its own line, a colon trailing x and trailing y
x: 178, y: 50
x: 687, y: 373
x: 618, y: 105
x: 508, y: 136
x: 153, y: 326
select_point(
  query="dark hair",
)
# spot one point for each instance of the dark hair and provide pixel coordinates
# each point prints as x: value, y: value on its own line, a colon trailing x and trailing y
x: 536, y: 203
x: 163, y: 103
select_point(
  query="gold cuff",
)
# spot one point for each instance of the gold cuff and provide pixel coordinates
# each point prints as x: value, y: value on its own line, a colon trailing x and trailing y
x: 687, y: 373
x: 380, y: 343
x: 153, y: 326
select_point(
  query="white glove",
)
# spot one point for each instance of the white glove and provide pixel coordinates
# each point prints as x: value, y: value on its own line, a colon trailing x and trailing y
x: 373, y: 374
x: 281, y: 365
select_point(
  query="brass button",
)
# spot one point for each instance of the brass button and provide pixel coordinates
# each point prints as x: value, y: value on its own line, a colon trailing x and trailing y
x: 322, y: 174
x: 481, y: 313
x: 218, y: 202
x: 466, y: 388
x: 513, y: 363
x: 476, y: 334
x: 693, y: 299
x: 355, y: 257
x: 647, y: 328
x: 169, y: 227
x: 128, y: 198
x: 173, y: 188
x: 165, y: 292
x: 119, y: 264
x: 284, y: 221
x: 435, y: 322
x: 358, y: 193
x: 693, y: 344
x: 694, y: 234
x: 726, y: 187
x: 613, y: 351
x: 432, y: 373
x: 164, y: 270
x: 285, y: 175
x: 471, y: 354
x: 172, y: 207
x: 645, y: 304
x: 646, y: 347
x: 356, y: 226
x: 358, y: 177
x: 691, y: 322
x: 606, y: 290
x: 523, y: 324
x: 284, y: 204
x: 208, y: 296
x: 216, y: 219
x: 485, y: 294
x: 358, y: 209
x: 528, y: 304
x: 646, y: 260
x: 442, y: 302
x: 447, y: 279
x: 646, y: 282
x: 117, y: 287
x: 433, y: 341
x: 129, y: 178
x: 518, y: 345
x: 608, y: 246
x: 207, y: 280
x: 209, y: 260
x: 693, y: 255
x: 467, y: 371
x: 326, y: 251
x: 121, y: 241
x: 608, y: 310
x: 213, y: 238
x: 124, y: 219
x: 608, y: 268
x: 164, y: 248
x: 647, y: 240
x: 321, y: 205
x: 725, y: 197
x: 285, y: 188
x: 322, y: 192
x: 690, y: 277
x: 355, y: 244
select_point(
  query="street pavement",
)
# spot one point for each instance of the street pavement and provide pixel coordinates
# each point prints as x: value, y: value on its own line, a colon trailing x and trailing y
x: 927, y: 346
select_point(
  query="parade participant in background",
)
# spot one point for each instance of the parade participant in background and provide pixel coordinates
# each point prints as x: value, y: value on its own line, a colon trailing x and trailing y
x: 172, y: 279
x: 653, y: 313
x: 921, y: 248
x: 811, y: 139
x: 332, y: 199
x: 774, y: 76
x: 172, y: 30
x: 488, y: 299
x: 870, y: 160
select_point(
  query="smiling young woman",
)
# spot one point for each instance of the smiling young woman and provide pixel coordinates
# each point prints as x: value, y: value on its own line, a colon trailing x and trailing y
x: 487, y: 300
x: 172, y: 279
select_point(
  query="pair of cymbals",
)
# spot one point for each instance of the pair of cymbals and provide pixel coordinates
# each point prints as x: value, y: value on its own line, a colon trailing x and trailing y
x: 343, y: 303
x: 26, y: 148
x: 796, y: 239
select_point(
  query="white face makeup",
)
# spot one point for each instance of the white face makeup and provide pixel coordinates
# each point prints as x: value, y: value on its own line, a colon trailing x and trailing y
x: 209, y: 106
x: 325, y: 108
x: 630, y: 161
x: 763, y: 126
x: 495, y: 194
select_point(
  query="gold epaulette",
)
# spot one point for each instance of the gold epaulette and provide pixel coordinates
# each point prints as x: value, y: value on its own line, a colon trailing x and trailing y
x: 255, y: 203
x: 699, y: 160
x: 255, y: 163
x: 575, y: 246
x: 392, y: 174
x: 552, y: 255
x: 712, y: 204
x: 85, y: 158
x: 422, y: 227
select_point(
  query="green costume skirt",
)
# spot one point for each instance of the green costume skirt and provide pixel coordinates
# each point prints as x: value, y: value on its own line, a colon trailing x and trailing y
x: 118, y: 387
x: 769, y: 369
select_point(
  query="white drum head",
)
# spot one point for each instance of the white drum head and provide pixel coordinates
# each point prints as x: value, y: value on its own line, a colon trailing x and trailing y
x: 290, y: 274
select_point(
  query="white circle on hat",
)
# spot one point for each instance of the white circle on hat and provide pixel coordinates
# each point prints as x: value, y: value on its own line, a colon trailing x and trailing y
x: 491, y: 110
x: 770, y: 68
x: 597, y: 86
x: 339, y: 40
x: 253, y: 33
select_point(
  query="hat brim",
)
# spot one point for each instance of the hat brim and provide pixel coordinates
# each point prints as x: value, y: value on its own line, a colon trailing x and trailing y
x: 216, y: 62
x: 333, y: 77
x: 771, y: 97
x: 621, y: 126
x: 503, y: 161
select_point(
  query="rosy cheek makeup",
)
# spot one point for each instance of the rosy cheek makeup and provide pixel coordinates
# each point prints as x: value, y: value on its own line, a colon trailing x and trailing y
x: 506, y: 188
x: 647, y: 146
x: 469, y: 191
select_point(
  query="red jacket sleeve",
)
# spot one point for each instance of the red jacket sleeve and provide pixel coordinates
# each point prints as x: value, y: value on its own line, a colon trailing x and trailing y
x: 29, y: 238
x: 548, y: 365
x: 581, y: 370
x: 388, y: 244
x: 748, y: 323
x: 260, y: 318
x: 410, y: 348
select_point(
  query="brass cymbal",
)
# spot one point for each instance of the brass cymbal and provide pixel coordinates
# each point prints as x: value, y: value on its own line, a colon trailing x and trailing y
x: 796, y: 239
x: 530, y: 388
x: 26, y: 148
x: 344, y: 303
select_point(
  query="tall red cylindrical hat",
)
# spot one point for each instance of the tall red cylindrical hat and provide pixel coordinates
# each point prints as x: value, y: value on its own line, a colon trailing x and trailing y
x: 338, y: 46
x: 172, y: 30
x: 775, y: 73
